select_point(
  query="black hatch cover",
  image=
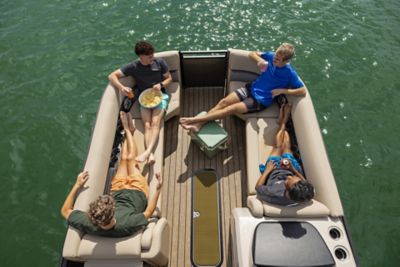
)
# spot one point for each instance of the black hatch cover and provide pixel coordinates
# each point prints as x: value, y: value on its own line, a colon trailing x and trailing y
x: 289, y: 244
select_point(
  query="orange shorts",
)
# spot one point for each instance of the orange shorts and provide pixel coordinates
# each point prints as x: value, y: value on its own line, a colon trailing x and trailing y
x: 134, y: 182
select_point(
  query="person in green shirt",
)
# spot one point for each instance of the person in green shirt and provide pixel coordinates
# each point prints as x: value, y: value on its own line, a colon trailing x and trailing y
x: 125, y: 210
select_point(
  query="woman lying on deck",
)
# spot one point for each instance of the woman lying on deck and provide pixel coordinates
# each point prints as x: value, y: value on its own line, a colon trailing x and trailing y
x: 125, y: 210
x: 282, y: 182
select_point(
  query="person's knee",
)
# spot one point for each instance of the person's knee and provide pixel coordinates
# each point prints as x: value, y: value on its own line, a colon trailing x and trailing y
x: 147, y: 125
x: 223, y: 103
x: 286, y: 136
x: 285, y: 147
x: 155, y: 122
x: 126, y: 157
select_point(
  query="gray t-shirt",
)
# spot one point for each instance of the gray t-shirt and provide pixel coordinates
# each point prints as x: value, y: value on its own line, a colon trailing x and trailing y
x: 274, y: 190
x: 146, y: 76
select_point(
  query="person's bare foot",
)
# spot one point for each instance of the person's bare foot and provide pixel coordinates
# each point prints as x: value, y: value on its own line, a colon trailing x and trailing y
x: 124, y: 120
x: 151, y: 160
x: 130, y: 123
x: 194, y: 128
x: 186, y: 120
x: 143, y: 157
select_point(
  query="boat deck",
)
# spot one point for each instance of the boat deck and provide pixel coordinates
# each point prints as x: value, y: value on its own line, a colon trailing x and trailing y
x: 182, y: 158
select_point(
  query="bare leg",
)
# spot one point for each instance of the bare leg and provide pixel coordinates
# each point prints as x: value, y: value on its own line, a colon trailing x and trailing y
x: 130, y: 123
x: 284, y: 139
x: 132, y: 165
x: 126, y: 153
x: 195, y: 123
x: 132, y: 130
x: 286, y: 145
x: 281, y: 113
x: 281, y: 135
x: 122, y: 170
x: 153, y: 137
x: 188, y: 123
x: 146, y: 117
x: 128, y: 134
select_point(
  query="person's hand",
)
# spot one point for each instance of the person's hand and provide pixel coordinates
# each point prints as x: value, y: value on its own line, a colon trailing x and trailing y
x: 159, y: 180
x: 128, y: 91
x: 277, y: 92
x: 271, y: 165
x: 82, y: 178
x: 288, y: 165
x: 262, y: 65
x: 157, y: 87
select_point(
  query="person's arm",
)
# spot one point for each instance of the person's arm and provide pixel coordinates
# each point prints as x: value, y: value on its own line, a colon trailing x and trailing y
x: 264, y: 177
x: 69, y: 201
x: 295, y: 172
x: 298, y: 92
x: 153, y: 201
x: 261, y: 63
x: 291, y: 168
x: 167, y: 80
x: 114, y: 79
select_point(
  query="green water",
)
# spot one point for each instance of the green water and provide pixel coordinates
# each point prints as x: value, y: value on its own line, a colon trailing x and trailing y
x: 55, y: 57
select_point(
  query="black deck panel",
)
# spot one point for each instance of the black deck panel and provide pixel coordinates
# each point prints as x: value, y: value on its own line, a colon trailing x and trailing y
x: 289, y: 244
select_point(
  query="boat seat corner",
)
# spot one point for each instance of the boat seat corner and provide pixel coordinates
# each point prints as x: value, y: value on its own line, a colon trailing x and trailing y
x: 310, y: 209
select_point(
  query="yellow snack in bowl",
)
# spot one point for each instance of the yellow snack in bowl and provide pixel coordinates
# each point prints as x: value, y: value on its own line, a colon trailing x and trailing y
x: 151, y: 98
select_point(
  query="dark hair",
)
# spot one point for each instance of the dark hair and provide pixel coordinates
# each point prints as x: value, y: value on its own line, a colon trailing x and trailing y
x: 101, y: 211
x: 144, y: 48
x: 301, y: 191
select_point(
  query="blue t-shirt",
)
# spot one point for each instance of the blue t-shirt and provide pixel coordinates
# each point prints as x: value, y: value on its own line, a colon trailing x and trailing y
x: 273, y: 78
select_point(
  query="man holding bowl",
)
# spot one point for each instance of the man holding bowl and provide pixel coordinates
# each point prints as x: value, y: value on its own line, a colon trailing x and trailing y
x: 148, y: 72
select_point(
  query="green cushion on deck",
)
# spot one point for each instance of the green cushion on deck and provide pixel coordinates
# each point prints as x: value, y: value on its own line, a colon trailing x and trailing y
x: 211, y: 137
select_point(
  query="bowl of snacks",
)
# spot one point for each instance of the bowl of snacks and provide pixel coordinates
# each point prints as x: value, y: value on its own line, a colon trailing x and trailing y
x: 150, y: 98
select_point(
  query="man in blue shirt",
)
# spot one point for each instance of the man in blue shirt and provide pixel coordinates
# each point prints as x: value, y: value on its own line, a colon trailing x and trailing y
x: 277, y: 77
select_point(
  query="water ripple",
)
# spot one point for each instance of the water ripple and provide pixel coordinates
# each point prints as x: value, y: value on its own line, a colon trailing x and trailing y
x: 55, y: 57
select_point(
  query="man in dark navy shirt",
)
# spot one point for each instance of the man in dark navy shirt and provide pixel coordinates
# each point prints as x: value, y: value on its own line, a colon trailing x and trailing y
x: 148, y: 72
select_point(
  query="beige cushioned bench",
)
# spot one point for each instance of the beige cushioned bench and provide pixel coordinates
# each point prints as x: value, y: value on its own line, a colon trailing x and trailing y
x: 151, y: 244
x: 261, y: 128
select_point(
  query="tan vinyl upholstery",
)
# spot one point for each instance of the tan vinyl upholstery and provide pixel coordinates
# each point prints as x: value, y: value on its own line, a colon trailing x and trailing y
x: 151, y: 244
x: 260, y: 134
x: 313, y: 208
x: 313, y: 153
x: 174, y: 89
x: 261, y: 128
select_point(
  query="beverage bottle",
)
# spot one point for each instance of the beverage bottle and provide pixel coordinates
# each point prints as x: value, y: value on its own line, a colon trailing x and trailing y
x: 285, y: 163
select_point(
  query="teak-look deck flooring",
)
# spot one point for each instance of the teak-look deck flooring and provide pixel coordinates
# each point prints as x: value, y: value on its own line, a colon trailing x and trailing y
x: 182, y: 158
